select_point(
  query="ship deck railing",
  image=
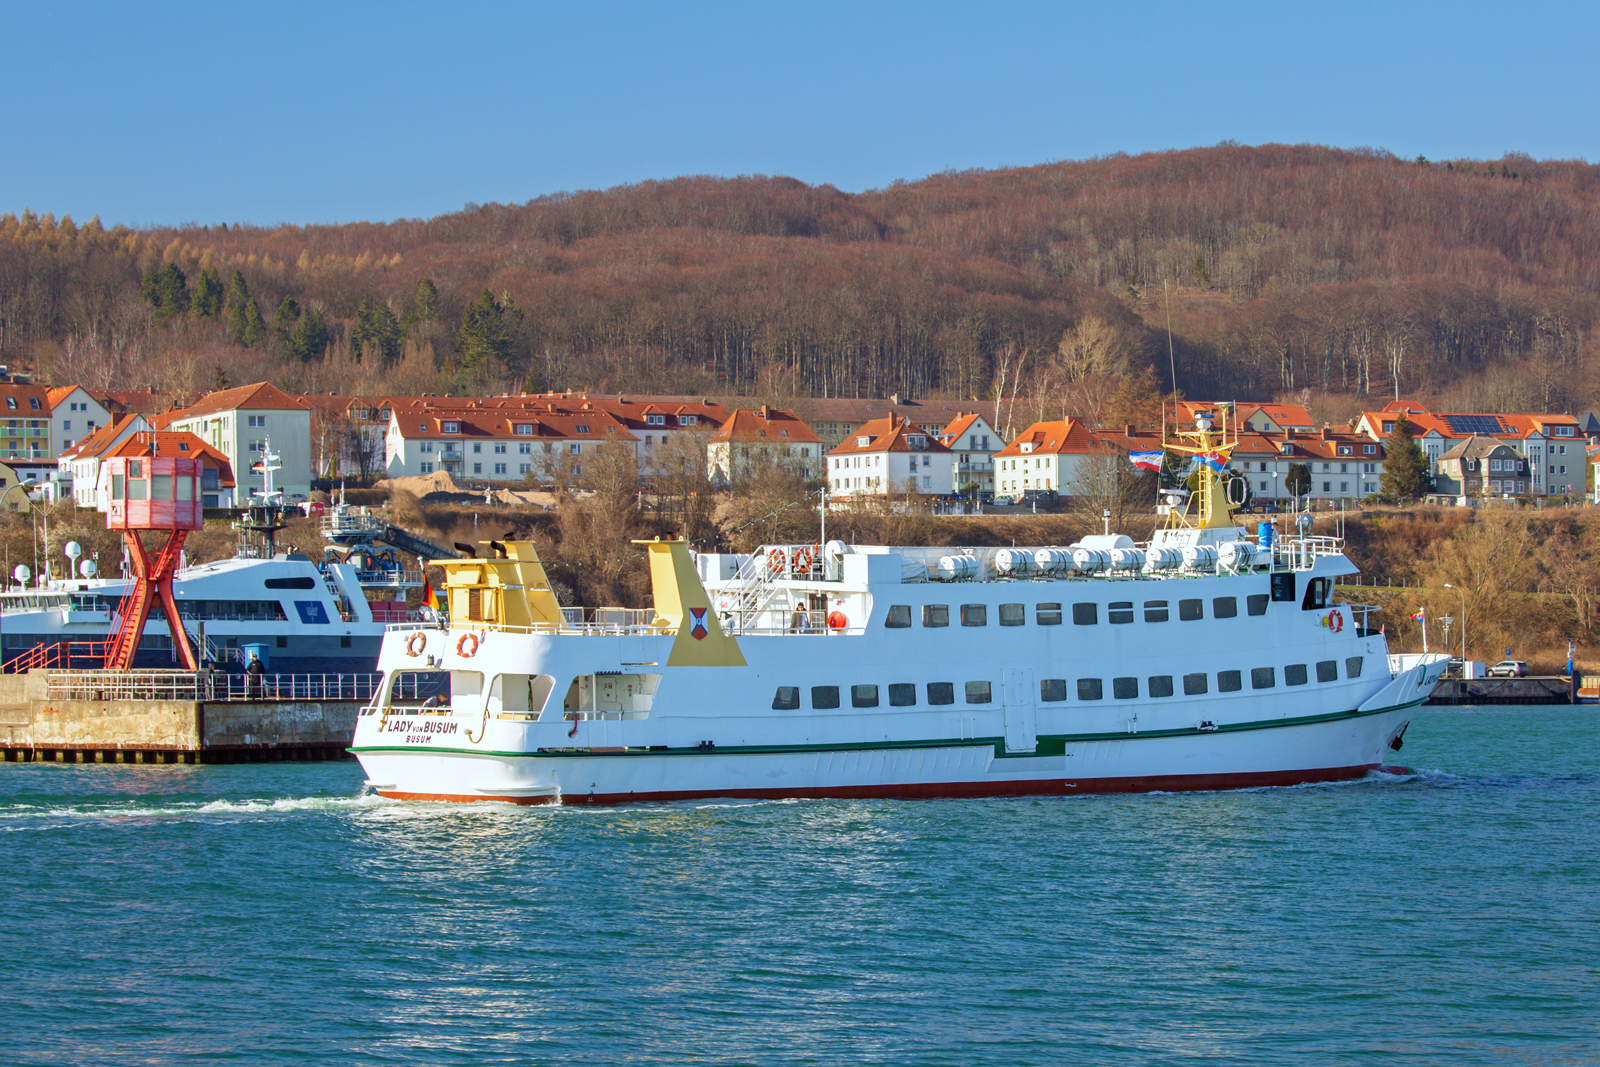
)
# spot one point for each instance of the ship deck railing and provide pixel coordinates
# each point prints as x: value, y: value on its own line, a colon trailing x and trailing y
x: 608, y: 629
x: 211, y: 687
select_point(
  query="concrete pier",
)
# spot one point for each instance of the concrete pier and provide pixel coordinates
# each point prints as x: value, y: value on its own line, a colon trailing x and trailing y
x: 1547, y: 689
x: 34, y: 726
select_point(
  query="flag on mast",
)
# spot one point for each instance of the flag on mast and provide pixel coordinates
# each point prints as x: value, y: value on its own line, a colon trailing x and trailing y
x: 1419, y: 616
x: 1148, y: 461
x: 1215, y: 460
x: 429, y: 597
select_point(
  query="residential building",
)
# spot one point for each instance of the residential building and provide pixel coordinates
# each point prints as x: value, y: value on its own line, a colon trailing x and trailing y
x: 1249, y: 416
x: 74, y: 414
x: 1552, y: 444
x: 216, y: 473
x: 972, y: 442
x: 1480, y: 468
x: 834, y: 419
x: 499, y: 445
x: 14, y: 497
x: 78, y: 467
x: 240, y: 423
x: 24, y: 420
x: 890, y: 455
x: 750, y: 441
x: 1046, y: 457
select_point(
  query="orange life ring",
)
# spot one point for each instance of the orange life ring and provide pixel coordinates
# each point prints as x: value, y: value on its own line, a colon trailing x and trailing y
x: 462, y: 649
x: 837, y: 620
x: 416, y: 643
x: 776, y: 561
x: 1335, y: 621
x: 803, y: 558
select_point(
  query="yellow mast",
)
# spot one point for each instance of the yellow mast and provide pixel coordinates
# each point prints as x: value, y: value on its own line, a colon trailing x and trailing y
x: 1208, y: 508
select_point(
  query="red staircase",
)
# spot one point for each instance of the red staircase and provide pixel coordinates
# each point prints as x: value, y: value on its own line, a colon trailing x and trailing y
x: 63, y: 654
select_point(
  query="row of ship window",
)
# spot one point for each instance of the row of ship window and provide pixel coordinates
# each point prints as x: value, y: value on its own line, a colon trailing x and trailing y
x: 1054, y: 690
x: 1118, y: 611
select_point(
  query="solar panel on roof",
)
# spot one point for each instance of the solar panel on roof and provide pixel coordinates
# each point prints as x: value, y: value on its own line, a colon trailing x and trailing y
x: 1484, y: 424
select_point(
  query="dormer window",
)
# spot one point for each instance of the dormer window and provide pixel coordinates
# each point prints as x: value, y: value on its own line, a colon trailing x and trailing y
x: 784, y: 433
x: 33, y: 402
x: 1346, y: 450
x: 1026, y: 448
x: 862, y: 442
x: 688, y: 420
x: 1388, y: 427
x: 1563, y: 431
x: 655, y: 420
x: 183, y: 446
x: 918, y: 442
x: 450, y: 427
x: 1369, y: 450
x: 525, y: 429
x: 581, y: 429
x: 1286, y: 450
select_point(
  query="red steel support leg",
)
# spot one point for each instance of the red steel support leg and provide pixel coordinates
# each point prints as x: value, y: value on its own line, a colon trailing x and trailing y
x: 166, y: 567
x: 152, y: 580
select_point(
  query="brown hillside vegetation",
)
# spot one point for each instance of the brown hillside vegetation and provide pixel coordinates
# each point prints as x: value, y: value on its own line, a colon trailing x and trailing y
x: 1290, y: 269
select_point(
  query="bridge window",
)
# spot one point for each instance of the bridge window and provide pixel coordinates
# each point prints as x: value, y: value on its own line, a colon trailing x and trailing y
x: 1256, y: 603
x: 303, y: 582
x: 1352, y: 667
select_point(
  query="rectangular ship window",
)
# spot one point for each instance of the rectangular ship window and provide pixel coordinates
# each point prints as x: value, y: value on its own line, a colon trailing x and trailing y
x: 1013, y: 614
x: 1194, y: 685
x: 1155, y: 611
x: 1352, y: 667
x: 1047, y: 614
x: 1085, y: 614
x: 974, y: 615
x: 1119, y: 611
x: 902, y: 695
x: 936, y: 614
x: 1190, y: 610
x: 941, y: 692
x: 1090, y: 689
x: 1295, y: 674
x: 824, y: 696
x: 863, y: 696
x: 1328, y: 671
x: 1263, y: 678
x: 979, y: 693
x: 899, y: 617
x: 787, y: 698
x: 1229, y: 681
x: 1161, y: 685
x: 1125, y: 688
x: 1052, y: 689
x: 1256, y: 603
x: 1224, y: 607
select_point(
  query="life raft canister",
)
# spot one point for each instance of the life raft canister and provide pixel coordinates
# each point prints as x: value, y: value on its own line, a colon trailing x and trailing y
x: 837, y: 620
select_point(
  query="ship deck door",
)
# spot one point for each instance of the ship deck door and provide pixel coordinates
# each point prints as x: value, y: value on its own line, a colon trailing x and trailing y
x: 1022, y: 719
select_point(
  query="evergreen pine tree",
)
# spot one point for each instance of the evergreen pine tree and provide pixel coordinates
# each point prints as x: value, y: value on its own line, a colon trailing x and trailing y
x: 284, y: 319
x: 425, y: 305
x: 1298, y: 479
x: 484, y: 330
x: 253, y: 332
x: 1405, y: 466
x: 207, y: 300
x: 309, y: 339
x: 237, y: 300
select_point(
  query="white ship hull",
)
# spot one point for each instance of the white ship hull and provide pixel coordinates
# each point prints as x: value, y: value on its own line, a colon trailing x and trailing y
x: 1343, y: 748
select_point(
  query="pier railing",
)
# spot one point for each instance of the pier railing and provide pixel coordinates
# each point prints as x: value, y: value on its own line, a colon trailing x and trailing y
x: 210, y: 687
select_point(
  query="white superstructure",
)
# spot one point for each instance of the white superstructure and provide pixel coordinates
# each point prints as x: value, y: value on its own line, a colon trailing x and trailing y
x: 1207, y: 658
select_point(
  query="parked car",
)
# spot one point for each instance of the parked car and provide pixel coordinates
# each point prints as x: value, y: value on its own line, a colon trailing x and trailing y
x: 1509, y: 668
x: 1455, y: 668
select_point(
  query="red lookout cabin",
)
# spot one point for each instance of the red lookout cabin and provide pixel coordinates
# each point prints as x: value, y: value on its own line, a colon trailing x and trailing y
x: 150, y: 493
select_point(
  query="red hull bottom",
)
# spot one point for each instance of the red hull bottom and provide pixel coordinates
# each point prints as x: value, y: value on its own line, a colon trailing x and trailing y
x: 1167, y: 783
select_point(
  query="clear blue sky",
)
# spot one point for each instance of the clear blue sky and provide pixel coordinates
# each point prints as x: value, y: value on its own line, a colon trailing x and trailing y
x: 290, y: 112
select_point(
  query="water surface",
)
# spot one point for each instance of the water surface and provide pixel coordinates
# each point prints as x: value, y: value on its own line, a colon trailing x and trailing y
x: 273, y: 914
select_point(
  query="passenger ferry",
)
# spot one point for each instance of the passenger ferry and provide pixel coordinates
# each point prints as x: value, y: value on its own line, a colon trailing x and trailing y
x: 1211, y: 657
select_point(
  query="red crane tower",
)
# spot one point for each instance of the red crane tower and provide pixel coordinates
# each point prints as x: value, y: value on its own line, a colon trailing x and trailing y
x: 150, y: 493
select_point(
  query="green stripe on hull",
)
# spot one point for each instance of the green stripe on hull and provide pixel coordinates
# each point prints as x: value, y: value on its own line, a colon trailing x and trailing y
x: 1045, y: 744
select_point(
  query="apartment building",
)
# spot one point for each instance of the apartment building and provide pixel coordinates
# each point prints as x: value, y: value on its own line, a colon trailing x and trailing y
x: 890, y: 455
x: 972, y: 442
x: 499, y: 444
x: 749, y: 442
x: 240, y: 423
x: 1553, y: 445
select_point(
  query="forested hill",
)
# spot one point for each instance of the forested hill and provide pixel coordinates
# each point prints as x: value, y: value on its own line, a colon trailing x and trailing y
x: 1288, y: 268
